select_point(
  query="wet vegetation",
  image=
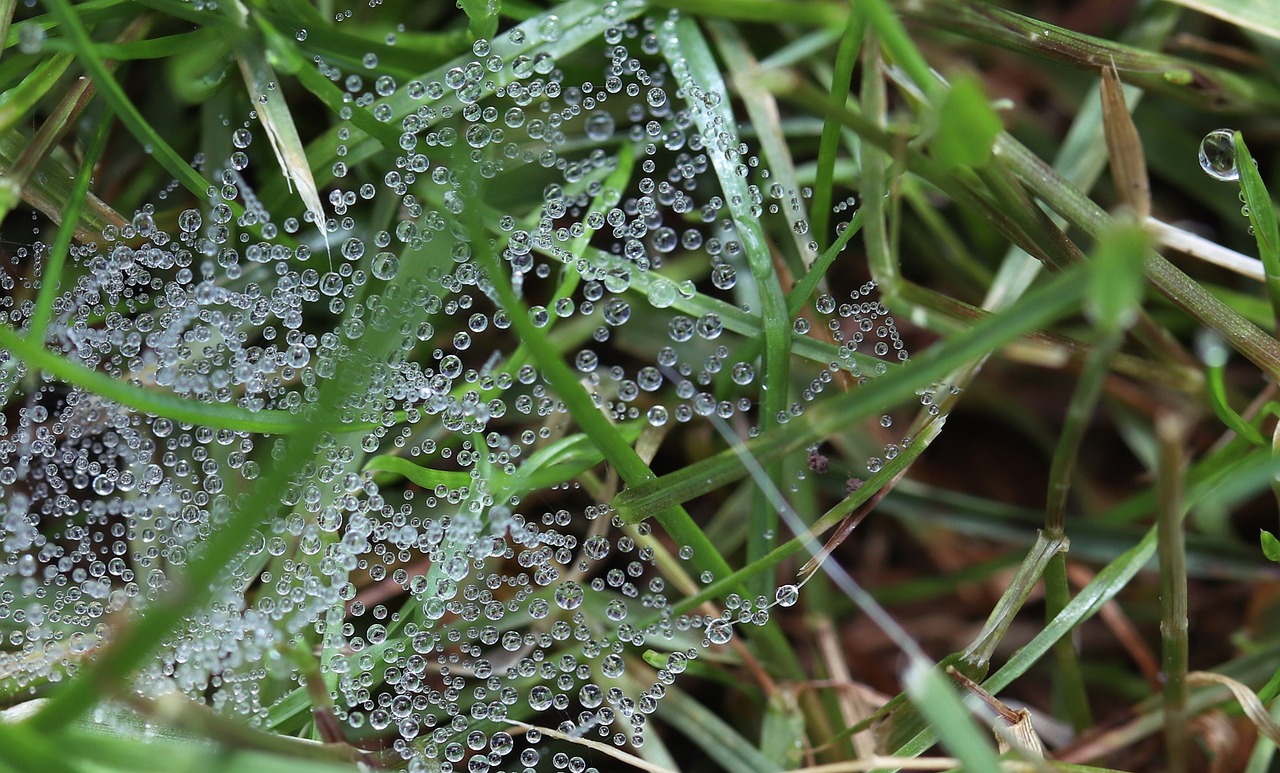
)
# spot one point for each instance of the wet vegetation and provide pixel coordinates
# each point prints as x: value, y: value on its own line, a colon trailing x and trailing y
x: 603, y: 385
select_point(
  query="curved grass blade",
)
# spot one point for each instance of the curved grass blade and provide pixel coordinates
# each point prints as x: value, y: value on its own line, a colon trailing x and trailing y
x: 156, y: 403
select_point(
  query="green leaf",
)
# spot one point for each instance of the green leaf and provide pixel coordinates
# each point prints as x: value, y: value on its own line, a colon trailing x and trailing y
x: 967, y: 126
x: 1270, y: 545
x: 1116, y: 280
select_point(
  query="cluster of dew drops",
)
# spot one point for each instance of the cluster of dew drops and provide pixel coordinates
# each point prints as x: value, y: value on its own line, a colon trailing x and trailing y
x: 445, y: 613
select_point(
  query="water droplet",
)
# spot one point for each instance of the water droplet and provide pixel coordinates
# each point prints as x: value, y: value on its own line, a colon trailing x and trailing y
x: 662, y: 293
x: 1218, y: 155
x: 385, y: 265
x: 719, y: 631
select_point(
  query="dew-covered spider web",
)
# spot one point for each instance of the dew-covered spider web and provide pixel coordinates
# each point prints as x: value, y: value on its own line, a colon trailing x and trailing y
x: 449, y: 553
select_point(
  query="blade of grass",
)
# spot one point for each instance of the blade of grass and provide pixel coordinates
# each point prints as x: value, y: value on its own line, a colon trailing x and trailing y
x: 814, y: 12
x: 38, y: 149
x: 156, y: 403
x: 18, y: 101
x: 937, y: 700
x: 607, y: 750
x: 6, y: 18
x: 482, y: 17
x: 828, y: 146
x: 1171, y: 430
x: 698, y: 76
x: 1258, y: 15
x: 1115, y: 293
x: 712, y: 734
x: 152, y: 48
x: 762, y: 111
x: 1215, y: 360
x: 1046, y: 549
x: 22, y: 749
x: 1194, y: 83
x: 1124, y: 146
x: 1262, y: 216
x: 803, y: 290
x: 276, y: 118
x: 874, y: 162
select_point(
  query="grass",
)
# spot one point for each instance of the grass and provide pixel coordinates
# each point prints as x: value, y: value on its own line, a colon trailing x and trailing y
x: 387, y: 440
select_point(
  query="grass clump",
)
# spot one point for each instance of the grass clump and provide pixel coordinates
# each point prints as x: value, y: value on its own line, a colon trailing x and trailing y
x: 517, y: 386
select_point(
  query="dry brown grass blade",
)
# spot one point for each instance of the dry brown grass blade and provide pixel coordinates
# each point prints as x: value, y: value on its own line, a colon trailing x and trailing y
x: 1017, y: 732
x: 1124, y: 147
x: 1249, y: 701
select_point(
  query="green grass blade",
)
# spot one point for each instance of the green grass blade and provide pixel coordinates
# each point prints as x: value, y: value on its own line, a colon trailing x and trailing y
x: 1262, y: 216
x: 967, y: 126
x: 156, y: 403
x: 483, y: 16
x: 19, y: 100
x: 937, y: 700
x: 828, y: 146
x: 713, y: 735
x: 698, y: 76
x: 1261, y: 16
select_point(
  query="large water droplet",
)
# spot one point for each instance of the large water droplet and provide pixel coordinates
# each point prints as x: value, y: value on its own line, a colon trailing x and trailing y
x: 1218, y: 155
